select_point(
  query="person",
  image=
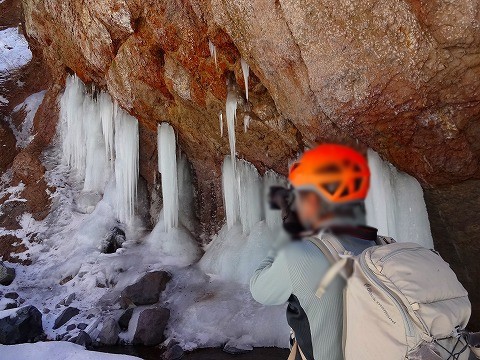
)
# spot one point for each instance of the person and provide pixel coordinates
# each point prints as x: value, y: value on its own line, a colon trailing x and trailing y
x: 329, y: 183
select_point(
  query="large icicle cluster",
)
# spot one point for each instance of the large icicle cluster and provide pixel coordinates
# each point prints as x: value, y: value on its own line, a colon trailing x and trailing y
x: 96, y: 133
x: 167, y: 166
x: 126, y: 164
x: 395, y: 203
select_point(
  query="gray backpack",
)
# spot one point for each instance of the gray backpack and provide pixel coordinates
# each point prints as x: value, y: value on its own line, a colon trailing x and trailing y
x: 405, y: 297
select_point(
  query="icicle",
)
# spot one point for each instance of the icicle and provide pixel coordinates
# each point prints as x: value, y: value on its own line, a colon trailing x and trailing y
x: 246, y: 73
x: 167, y: 165
x: 106, y: 109
x: 126, y: 164
x: 220, y: 118
x: 246, y: 122
x: 231, y: 112
x: 72, y: 131
x: 96, y: 161
x: 249, y: 194
x: 213, y: 51
x: 230, y: 194
x: 272, y: 217
x: 395, y: 203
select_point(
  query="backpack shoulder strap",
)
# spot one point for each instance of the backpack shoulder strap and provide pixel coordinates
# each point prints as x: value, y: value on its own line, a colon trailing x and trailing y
x: 341, y: 261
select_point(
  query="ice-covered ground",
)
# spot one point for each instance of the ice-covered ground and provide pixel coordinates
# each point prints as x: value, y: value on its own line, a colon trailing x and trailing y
x: 59, y: 350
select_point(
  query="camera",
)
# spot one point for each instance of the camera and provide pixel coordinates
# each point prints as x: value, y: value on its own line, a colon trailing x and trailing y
x: 281, y: 198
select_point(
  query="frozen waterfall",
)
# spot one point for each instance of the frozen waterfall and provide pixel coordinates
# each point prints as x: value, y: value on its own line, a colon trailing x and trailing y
x: 94, y: 133
x: 126, y: 164
x: 230, y: 193
x: 167, y: 166
x: 395, y: 204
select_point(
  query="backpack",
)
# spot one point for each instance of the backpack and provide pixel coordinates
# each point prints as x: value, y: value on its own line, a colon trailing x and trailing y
x: 402, y: 302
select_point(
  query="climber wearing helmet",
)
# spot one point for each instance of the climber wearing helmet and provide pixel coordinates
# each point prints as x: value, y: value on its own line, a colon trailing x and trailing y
x: 329, y: 186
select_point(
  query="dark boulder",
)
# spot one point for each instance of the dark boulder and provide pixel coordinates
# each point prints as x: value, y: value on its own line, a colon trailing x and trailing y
x: 82, y: 339
x: 124, y: 320
x: 113, y: 241
x: 7, y: 274
x: 65, y: 316
x: 109, y: 333
x: 145, y: 291
x: 150, y: 327
x: 21, y: 325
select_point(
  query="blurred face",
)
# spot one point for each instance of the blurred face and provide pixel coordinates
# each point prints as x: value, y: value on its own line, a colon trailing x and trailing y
x: 308, y: 208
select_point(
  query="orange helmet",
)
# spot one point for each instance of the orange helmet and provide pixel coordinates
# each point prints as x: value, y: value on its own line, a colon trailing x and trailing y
x: 338, y: 173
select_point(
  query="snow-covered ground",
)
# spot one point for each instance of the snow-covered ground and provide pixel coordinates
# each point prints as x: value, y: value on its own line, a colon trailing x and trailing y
x: 59, y: 350
x: 14, y: 51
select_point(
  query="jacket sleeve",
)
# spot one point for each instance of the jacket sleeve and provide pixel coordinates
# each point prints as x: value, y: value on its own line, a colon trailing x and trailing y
x: 271, y: 283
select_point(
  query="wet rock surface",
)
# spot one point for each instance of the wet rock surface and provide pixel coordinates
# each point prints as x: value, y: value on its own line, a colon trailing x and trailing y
x: 7, y: 274
x: 24, y: 325
x: 65, y: 316
x: 146, y: 290
x: 151, y: 326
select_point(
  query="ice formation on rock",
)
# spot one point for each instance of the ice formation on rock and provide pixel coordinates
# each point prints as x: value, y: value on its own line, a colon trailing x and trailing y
x: 246, y: 122
x: 231, y: 112
x: 220, y: 119
x: 126, y: 164
x: 249, y: 187
x: 213, y: 51
x: 230, y: 193
x: 395, y: 203
x: 95, y: 161
x: 167, y: 166
x: 107, y: 117
x: 72, y: 131
x: 246, y: 73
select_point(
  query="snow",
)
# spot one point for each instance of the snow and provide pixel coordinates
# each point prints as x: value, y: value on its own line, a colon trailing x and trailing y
x: 3, y: 100
x: 395, y: 204
x: 14, y: 51
x: 246, y: 72
x: 167, y: 166
x: 29, y: 106
x: 213, y: 51
x: 231, y: 112
x: 58, y: 350
x: 126, y: 164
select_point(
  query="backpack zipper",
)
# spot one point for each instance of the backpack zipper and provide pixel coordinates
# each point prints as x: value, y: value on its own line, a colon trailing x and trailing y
x: 396, y: 252
x: 399, y: 304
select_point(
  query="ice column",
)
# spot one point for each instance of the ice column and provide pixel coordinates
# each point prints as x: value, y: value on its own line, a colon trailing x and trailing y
x: 249, y: 187
x: 246, y: 72
x: 395, y: 204
x: 72, y: 127
x: 106, y: 115
x: 220, y: 119
x: 167, y: 165
x: 231, y: 112
x: 126, y: 164
x: 230, y: 194
x: 96, y: 160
